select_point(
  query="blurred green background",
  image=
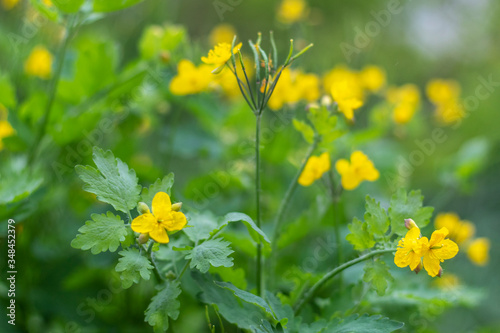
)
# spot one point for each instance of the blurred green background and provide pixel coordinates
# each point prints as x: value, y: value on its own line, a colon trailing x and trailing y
x: 203, y: 137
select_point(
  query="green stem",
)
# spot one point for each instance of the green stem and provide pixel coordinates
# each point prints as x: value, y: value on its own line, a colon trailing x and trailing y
x: 257, y: 198
x: 336, y: 221
x: 310, y: 293
x: 53, y: 89
x: 288, y: 195
x: 183, y: 270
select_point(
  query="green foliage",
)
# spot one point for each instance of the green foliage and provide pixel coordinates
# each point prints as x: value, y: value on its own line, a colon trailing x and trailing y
x: 133, y: 266
x: 378, y: 275
x: 234, y: 275
x: 160, y: 185
x: 112, y: 182
x: 359, y: 237
x: 213, y: 252
x: 202, y: 226
x: 164, y: 305
x: 104, y: 232
x: 404, y: 206
x: 255, y: 232
x: 68, y: 6
x: 103, y: 6
x: 243, y: 314
x: 247, y: 297
x: 156, y: 39
x: 306, y: 130
x: 376, y: 217
x: 362, y: 324
x: 17, y: 181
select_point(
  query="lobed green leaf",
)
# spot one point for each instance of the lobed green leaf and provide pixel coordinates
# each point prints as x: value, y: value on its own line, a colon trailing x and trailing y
x: 404, y: 206
x: 213, y: 252
x: 164, y: 305
x: 132, y: 267
x: 359, y: 237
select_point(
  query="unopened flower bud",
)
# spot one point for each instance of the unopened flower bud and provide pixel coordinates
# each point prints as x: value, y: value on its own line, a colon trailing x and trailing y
x: 142, y: 208
x: 170, y: 275
x: 165, y: 57
x: 326, y: 101
x: 143, y: 238
x: 440, y: 271
x: 177, y: 206
x: 409, y: 223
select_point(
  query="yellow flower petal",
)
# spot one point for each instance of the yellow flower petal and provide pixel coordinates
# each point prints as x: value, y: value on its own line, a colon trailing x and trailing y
x: 159, y: 234
x: 162, y: 206
x: 431, y: 264
x: 437, y: 237
x: 177, y: 221
x: 448, y: 250
x: 342, y: 166
x: 144, y: 223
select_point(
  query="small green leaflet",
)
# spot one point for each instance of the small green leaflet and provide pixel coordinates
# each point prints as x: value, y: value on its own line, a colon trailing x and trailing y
x: 305, y: 129
x: 363, y: 324
x: 213, y: 252
x: 160, y: 185
x: 203, y: 224
x: 102, y: 233
x: 132, y: 267
x: 376, y: 217
x: 234, y: 275
x: 112, y: 182
x: 377, y: 274
x: 359, y: 237
x: 405, y: 206
x: 164, y: 305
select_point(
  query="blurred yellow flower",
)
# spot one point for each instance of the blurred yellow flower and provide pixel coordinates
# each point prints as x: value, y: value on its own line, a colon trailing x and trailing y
x: 220, y: 54
x: 346, y: 89
x: 222, y: 33
x: 478, y: 251
x: 39, y: 63
x: 460, y: 231
x: 293, y: 87
x: 315, y: 167
x: 447, y: 282
x: 5, y: 127
x: 359, y: 169
x: 9, y: 4
x: 291, y: 11
x: 47, y: 3
x: 445, y: 94
x: 413, y: 247
x: 372, y: 78
x: 163, y: 219
x: 190, y: 79
x: 405, y: 100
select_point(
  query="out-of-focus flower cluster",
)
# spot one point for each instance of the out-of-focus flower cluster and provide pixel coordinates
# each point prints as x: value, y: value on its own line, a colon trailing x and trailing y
x: 445, y: 95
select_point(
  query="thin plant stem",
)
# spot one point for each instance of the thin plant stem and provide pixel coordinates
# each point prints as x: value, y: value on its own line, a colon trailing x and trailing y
x: 310, y: 293
x: 257, y: 199
x: 183, y: 270
x: 53, y: 89
x: 288, y: 195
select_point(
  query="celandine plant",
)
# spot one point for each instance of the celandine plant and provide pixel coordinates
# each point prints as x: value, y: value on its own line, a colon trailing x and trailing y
x: 157, y: 237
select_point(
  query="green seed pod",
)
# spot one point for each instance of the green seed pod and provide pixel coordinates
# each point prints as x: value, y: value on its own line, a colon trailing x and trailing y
x: 143, y: 238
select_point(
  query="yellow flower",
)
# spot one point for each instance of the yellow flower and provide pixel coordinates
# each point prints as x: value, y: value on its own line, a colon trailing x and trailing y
x: 220, y: 54
x: 291, y: 11
x: 293, y: 87
x: 360, y: 168
x: 437, y: 250
x: 9, y: 4
x: 346, y: 89
x: 190, y: 79
x: 39, y: 63
x: 372, y: 78
x: 405, y: 100
x: 447, y: 282
x: 410, y: 249
x: 315, y: 167
x: 478, y: 251
x: 223, y: 33
x: 445, y: 94
x: 162, y: 220
x: 413, y: 247
x: 47, y: 3
x: 5, y: 127
x: 460, y: 231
